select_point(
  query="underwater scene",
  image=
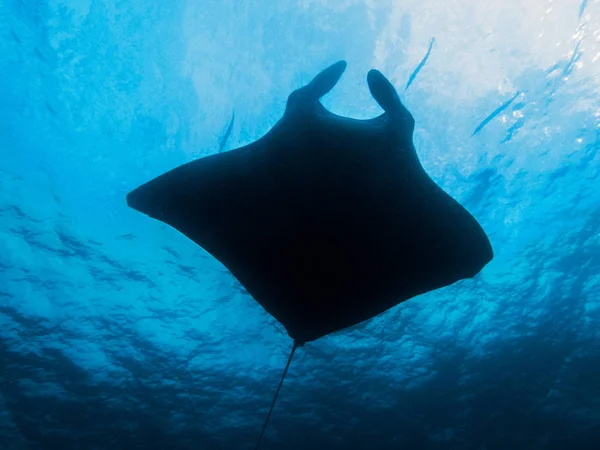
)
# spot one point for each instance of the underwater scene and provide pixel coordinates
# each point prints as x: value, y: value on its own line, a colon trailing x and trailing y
x: 300, y: 224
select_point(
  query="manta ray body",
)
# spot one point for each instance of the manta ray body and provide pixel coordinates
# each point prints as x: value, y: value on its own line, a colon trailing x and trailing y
x: 326, y: 221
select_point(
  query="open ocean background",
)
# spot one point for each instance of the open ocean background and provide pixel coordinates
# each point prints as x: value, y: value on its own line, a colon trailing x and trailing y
x: 116, y: 332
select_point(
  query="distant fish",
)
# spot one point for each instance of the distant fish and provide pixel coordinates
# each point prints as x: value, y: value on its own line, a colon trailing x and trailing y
x: 420, y: 66
x: 573, y: 60
x: 497, y: 111
x: 582, y: 8
x: 225, y: 137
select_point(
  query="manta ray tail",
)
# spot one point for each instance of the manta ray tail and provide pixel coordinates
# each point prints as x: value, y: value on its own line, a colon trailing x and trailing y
x: 287, y: 366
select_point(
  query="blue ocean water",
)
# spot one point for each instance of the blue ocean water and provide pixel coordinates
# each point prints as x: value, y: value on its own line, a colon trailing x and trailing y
x: 116, y: 332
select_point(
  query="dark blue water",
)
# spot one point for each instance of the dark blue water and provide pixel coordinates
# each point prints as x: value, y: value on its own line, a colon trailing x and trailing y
x: 118, y: 333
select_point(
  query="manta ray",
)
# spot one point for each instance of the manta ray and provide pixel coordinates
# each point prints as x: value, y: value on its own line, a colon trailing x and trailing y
x: 326, y: 221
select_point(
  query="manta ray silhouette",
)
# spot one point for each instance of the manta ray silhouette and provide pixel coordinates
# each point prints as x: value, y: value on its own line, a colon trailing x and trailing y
x: 326, y: 221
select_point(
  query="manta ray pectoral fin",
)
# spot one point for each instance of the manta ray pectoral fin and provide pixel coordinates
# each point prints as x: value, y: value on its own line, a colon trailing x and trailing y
x: 384, y: 93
